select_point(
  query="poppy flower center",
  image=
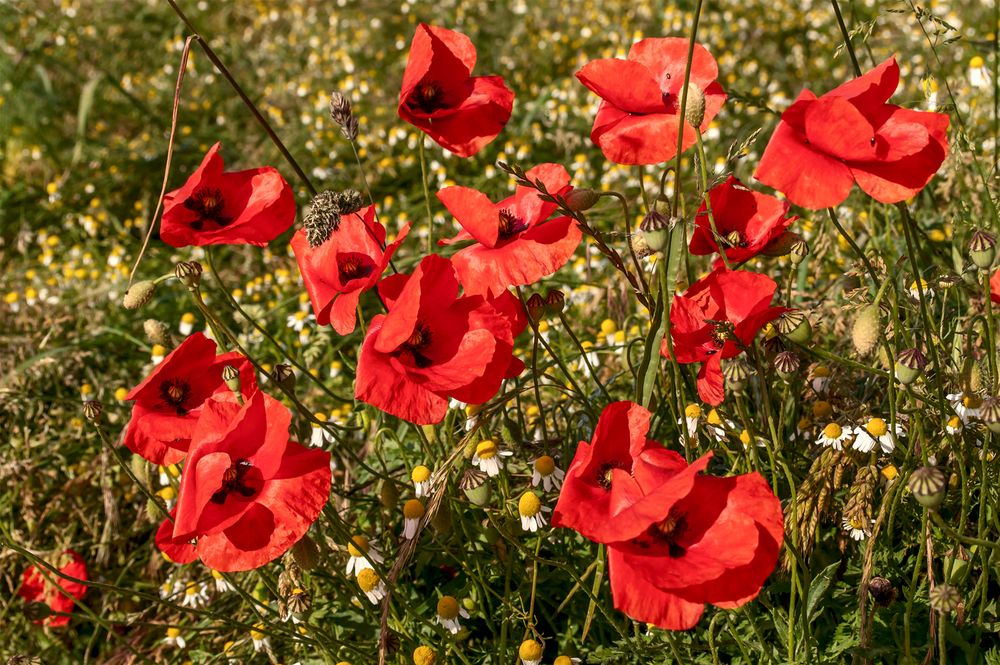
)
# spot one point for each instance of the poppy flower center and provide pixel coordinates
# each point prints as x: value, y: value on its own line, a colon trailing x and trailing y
x: 605, y: 474
x: 510, y: 224
x: 735, y: 239
x: 236, y: 479
x: 427, y: 98
x: 669, y: 531
x: 174, y: 392
x: 207, y: 202
x: 418, y: 340
x: 353, y: 267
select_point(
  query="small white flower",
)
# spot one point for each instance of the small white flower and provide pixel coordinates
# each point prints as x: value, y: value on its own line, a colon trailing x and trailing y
x: 834, y: 435
x: 979, y: 75
x: 692, y: 414
x: 915, y: 290
x: 222, y: 585
x: 857, y: 527
x: 532, y: 512
x: 489, y: 458
x: 448, y: 613
x: 261, y: 642
x: 545, y: 471
x: 966, y: 406
x: 716, y: 427
x: 186, y: 326
x: 954, y: 425
x: 413, y: 512
x: 363, y: 552
x: 195, y: 595
x: 821, y: 379
x: 876, y: 430
x: 319, y: 434
x: 371, y: 585
x: 174, y: 638
x: 421, y: 477
x: 298, y: 320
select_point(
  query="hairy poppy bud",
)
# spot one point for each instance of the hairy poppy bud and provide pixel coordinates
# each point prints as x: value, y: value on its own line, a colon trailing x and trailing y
x: 535, y: 307
x: 158, y: 332
x: 982, y: 249
x: 388, y: 494
x: 37, y: 611
x: 867, y: 326
x: 139, y: 294
x: 882, y: 591
x: 581, y: 199
x: 188, y: 273
x: 306, y: 553
x: 694, y: 111
x: 783, y: 245
x: 655, y: 229
x: 928, y: 484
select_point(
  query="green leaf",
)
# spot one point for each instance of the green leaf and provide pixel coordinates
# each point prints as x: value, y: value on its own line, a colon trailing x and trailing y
x: 818, y: 590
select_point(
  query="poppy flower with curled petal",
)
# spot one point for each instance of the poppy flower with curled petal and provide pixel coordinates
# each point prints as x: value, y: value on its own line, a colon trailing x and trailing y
x: 616, y: 484
x: 822, y: 146
x: 440, y: 97
x: 346, y: 265
x: 747, y: 222
x: 169, y: 401
x: 515, y: 241
x: 432, y: 345
x: 59, y: 597
x: 247, y: 493
x: 716, y: 318
x: 215, y: 207
x: 639, y: 117
x: 716, y: 544
x: 995, y: 287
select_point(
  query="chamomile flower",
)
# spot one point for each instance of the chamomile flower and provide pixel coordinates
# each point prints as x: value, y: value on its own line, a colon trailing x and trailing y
x: 532, y: 512
x: 168, y: 472
x: 692, y: 414
x: 413, y: 512
x: 545, y: 471
x: 186, y: 326
x: 915, y: 290
x: 298, y: 320
x: 715, y: 426
x: 424, y: 655
x: 488, y: 457
x: 174, y: 638
x: 319, y: 434
x: 954, y: 425
x: 565, y: 660
x: 169, y: 496
x: 875, y: 430
x: 858, y: 528
x: 608, y: 330
x: 966, y: 406
x: 371, y: 585
x: 195, y: 594
x: 261, y: 642
x: 448, y: 612
x: 421, y: 477
x: 834, y: 435
x: 979, y: 75
x: 363, y: 552
x: 222, y: 585
x: 821, y: 379
x: 157, y: 354
x: 86, y: 392
x: 530, y: 652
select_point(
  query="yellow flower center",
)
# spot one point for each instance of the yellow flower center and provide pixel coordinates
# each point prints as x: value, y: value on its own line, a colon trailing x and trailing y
x: 447, y: 607
x: 423, y: 655
x: 368, y: 579
x: 855, y: 523
x: 529, y: 505
x: 358, y: 546
x: 563, y: 660
x: 692, y: 411
x: 191, y: 588
x: 173, y: 633
x: 545, y: 465
x: 608, y: 327
x: 821, y: 372
x: 713, y: 418
x: 413, y: 509
x: 486, y: 449
x: 167, y: 493
x: 890, y: 472
x: 822, y: 409
x: 876, y: 427
x: 955, y: 422
x: 530, y: 650
x: 257, y: 632
x: 971, y: 401
x: 745, y: 438
x: 832, y: 431
x: 420, y: 474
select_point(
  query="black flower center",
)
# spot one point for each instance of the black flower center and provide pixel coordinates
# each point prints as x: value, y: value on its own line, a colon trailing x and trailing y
x: 735, y: 239
x: 415, y: 344
x: 669, y: 531
x: 353, y: 267
x: 604, y: 473
x: 207, y: 202
x: 427, y: 98
x: 510, y: 224
x: 236, y: 480
x: 174, y: 392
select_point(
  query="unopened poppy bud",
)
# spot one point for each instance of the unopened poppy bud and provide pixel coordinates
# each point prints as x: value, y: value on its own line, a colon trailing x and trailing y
x: 694, y: 111
x: 882, y: 591
x: 322, y: 219
x: 982, y: 249
x: 909, y: 365
x: 188, y: 273
x: 928, y: 484
x: 158, y: 332
x: 579, y: 200
x: 787, y: 364
x: 535, y: 307
x: 944, y: 598
x: 306, y: 553
x: 782, y: 246
x: 92, y: 410
x: 737, y: 374
x: 155, y: 509
x: 474, y: 484
x: 139, y: 294
x: 794, y: 325
x: 283, y: 375
x: 989, y: 414
x: 655, y: 229
x: 423, y: 655
x: 231, y: 376
x: 554, y: 302
x: 140, y: 468
x: 866, y: 330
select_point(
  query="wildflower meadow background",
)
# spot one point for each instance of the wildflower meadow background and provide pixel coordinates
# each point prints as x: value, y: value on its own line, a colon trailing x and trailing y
x: 499, y: 332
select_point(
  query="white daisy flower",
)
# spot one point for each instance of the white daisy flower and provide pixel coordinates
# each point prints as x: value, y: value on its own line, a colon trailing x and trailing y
x: 298, y: 320
x: 834, y: 435
x: 157, y: 354
x: 857, y: 528
x: 532, y: 512
x: 692, y: 414
x: 174, y: 638
x: 261, y: 642
x: 821, y: 379
x: 966, y: 406
x: 371, y: 585
x: 545, y: 471
x: 195, y: 594
x: 363, y: 552
x: 413, y: 512
x: 876, y: 430
x: 186, y: 326
x: 448, y: 613
x: 222, y: 585
x: 915, y: 290
x: 979, y: 74
x: 954, y: 425
x: 716, y: 427
x: 421, y: 477
x: 530, y: 652
x: 489, y: 458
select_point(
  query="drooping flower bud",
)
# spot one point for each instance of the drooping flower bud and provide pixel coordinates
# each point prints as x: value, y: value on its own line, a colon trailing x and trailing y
x: 188, y: 273
x: 783, y: 245
x: 139, y: 294
x: 694, y: 110
x: 982, y: 249
x: 581, y: 199
x: 306, y: 553
x: 866, y: 330
x: 882, y: 591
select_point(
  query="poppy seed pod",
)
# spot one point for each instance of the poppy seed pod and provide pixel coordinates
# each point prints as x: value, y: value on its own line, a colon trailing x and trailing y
x: 535, y: 307
x: 982, y: 249
x: 928, y: 484
x: 794, y: 325
x: 799, y: 251
x: 139, y: 294
x: 944, y: 598
x: 786, y: 364
x: 92, y: 410
x: 655, y: 229
x: 737, y: 374
x: 989, y: 414
x: 554, y: 302
x: 474, y: 484
x: 909, y: 365
x: 231, y: 377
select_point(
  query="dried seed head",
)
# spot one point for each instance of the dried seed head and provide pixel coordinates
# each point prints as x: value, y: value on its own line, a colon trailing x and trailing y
x: 322, y: 218
x: 909, y: 365
x: 349, y: 129
x: 139, y: 294
x: 866, y: 330
x: 982, y: 249
x: 535, y: 307
x: 340, y: 108
x: 694, y: 110
x: 882, y: 591
x: 928, y: 484
x: 188, y: 273
x: 554, y: 302
x: 736, y: 373
x: 158, y: 332
x: 944, y: 598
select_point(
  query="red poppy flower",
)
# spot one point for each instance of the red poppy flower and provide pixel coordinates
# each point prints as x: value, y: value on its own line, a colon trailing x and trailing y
x: 346, y: 265
x: 717, y: 318
x: 616, y: 484
x: 213, y: 207
x: 432, y: 345
x: 247, y: 493
x: 822, y: 146
x: 35, y: 588
x: 716, y: 544
x: 441, y: 98
x: 639, y: 116
x: 168, y: 402
x: 748, y: 221
x: 995, y: 287
x: 515, y: 245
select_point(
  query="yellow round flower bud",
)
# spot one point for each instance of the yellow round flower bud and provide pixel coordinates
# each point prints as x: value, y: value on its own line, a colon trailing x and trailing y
x: 530, y: 650
x: 413, y: 509
x: 420, y: 474
x: 447, y: 607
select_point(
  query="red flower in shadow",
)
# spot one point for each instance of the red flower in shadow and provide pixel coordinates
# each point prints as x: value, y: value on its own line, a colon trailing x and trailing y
x: 995, y: 287
x: 515, y: 245
x: 822, y: 146
x: 441, y: 98
x: 639, y: 117
x: 747, y: 221
x: 247, y: 493
x: 432, y: 345
x: 213, y: 207
x: 717, y: 318
x: 35, y: 588
x: 346, y: 265
x: 169, y: 401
